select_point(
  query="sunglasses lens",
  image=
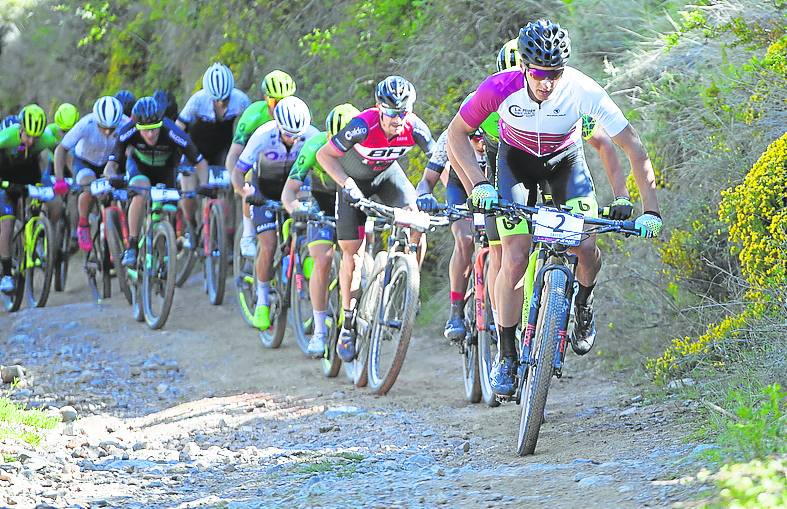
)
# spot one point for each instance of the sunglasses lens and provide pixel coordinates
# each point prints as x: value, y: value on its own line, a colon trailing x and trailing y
x: 542, y: 74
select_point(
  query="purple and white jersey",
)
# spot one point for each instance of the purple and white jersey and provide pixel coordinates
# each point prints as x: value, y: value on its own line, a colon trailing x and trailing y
x: 271, y: 156
x: 546, y: 128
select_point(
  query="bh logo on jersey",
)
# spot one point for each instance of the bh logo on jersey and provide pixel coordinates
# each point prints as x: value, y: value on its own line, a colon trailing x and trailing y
x: 388, y: 153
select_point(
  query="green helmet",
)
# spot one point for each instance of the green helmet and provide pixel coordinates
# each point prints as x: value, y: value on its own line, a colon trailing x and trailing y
x: 339, y: 117
x: 33, y: 120
x: 66, y: 116
x: 509, y: 56
x: 278, y: 85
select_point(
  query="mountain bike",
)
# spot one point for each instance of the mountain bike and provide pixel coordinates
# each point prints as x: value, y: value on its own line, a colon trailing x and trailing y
x: 386, y: 311
x: 64, y: 235
x: 32, y: 247
x: 549, y: 292
x: 245, y: 269
x: 213, y: 233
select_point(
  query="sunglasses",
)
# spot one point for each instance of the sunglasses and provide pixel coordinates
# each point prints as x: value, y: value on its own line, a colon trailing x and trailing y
x: 545, y: 74
x: 288, y: 134
x: 391, y: 112
x: 149, y: 127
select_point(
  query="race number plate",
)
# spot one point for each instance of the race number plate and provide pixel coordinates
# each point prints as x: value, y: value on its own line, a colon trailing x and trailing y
x: 479, y: 221
x: 157, y: 194
x: 219, y: 178
x: 100, y: 186
x: 41, y: 193
x: 555, y: 226
x: 414, y: 219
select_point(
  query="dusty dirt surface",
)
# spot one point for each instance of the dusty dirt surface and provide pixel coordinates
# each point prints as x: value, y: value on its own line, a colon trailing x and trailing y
x: 201, y: 415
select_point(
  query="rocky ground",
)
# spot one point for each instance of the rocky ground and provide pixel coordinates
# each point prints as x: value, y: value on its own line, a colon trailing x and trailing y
x: 200, y: 415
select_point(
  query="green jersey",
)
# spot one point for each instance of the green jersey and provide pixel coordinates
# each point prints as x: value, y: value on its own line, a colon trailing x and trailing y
x: 11, y: 144
x: 254, y: 116
x: 307, y: 161
x: 491, y: 126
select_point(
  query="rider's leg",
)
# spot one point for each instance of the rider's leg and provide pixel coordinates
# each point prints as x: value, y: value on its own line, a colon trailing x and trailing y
x: 135, y: 216
x: 322, y: 255
x: 188, y: 183
x: 6, y: 231
x: 458, y: 274
x: 495, y: 257
x: 84, y: 177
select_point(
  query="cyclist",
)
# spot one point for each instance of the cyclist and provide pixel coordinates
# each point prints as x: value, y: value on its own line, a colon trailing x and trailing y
x: 150, y: 146
x: 362, y: 159
x: 462, y: 230
x: 9, y: 121
x: 271, y: 150
x: 276, y: 85
x: 540, y: 106
x: 127, y: 99
x: 24, y: 149
x: 321, y: 240
x: 66, y: 116
x: 167, y: 102
x: 91, y: 141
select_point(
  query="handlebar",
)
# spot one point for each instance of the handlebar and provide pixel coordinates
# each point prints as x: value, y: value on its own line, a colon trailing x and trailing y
x: 607, y: 225
x: 402, y: 217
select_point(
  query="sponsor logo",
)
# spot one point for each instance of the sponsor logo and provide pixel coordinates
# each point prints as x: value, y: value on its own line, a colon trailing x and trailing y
x: 266, y: 227
x: 268, y: 214
x: 353, y: 133
x: 272, y: 155
x: 388, y: 153
x: 556, y: 113
x: 520, y: 112
x: 177, y: 139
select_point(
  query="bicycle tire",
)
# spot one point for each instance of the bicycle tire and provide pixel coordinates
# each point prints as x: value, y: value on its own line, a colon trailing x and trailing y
x: 43, y: 240
x: 405, y: 281
x: 470, y: 368
x: 554, y: 305
x: 216, y: 255
x: 331, y: 362
x: 186, y: 258
x: 106, y: 274
x: 355, y: 371
x: 301, y: 313
x: 62, y: 255
x: 165, y: 272
x: 274, y: 335
x: 114, y: 238
x: 245, y: 277
x: 13, y: 301
x: 487, y: 350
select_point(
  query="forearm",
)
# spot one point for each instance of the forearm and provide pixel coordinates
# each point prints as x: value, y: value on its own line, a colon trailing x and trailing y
x: 289, y: 195
x: 60, y: 162
x: 427, y: 183
x: 233, y: 154
x: 202, y: 172
x: 645, y: 178
x: 611, y: 162
x: 331, y: 165
x: 237, y: 177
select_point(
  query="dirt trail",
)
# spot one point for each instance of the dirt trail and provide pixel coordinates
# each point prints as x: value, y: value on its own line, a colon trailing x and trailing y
x: 201, y: 415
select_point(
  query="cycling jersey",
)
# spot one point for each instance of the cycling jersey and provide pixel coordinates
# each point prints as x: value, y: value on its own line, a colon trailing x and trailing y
x: 55, y: 131
x: 272, y: 157
x: 321, y: 182
x: 254, y: 116
x: 212, y: 136
x: 171, y: 143
x: 86, y: 141
x: 18, y: 163
x: 372, y: 152
x: 545, y: 128
x: 439, y: 160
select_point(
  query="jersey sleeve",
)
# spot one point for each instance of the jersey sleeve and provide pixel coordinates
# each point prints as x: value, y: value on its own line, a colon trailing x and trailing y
x: 307, y: 158
x: 603, y: 109
x: 423, y: 136
x: 183, y: 141
x: 354, y: 132
x: 9, y: 137
x: 484, y: 102
x: 249, y: 155
x: 187, y: 114
x: 247, y: 122
x: 76, y: 133
x: 439, y: 157
x: 124, y: 134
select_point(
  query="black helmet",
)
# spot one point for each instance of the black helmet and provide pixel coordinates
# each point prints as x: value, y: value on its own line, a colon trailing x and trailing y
x: 167, y: 103
x: 396, y: 93
x: 146, y: 111
x: 127, y: 99
x: 544, y: 43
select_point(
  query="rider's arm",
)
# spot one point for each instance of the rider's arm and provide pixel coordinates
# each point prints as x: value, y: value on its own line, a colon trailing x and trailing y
x: 423, y: 136
x: 462, y: 152
x: 609, y: 158
x: 641, y: 167
x: 60, y: 161
x: 328, y: 156
x: 232, y: 155
x: 186, y: 115
x: 436, y: 165
x: 188, y: 149
x: 289, y: 194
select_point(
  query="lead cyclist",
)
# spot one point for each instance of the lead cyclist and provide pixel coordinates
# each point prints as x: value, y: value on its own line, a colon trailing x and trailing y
x: 541, y: 104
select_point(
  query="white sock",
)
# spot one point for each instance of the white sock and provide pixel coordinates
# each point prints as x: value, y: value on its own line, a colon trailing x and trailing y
x: 494, y: 316
x: 248, y: 227
x: 319, y: 321
x: 263, y: 293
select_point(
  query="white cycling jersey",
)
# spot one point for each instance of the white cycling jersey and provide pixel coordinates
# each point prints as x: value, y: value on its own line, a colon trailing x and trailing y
x: 200, y: 107
x: 86, y: 141
x: 272, y: 157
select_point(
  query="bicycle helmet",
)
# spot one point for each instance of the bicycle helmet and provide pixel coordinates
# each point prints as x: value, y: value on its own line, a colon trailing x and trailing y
x: 127, y: 99
x: 146, y: 113
x: 278, y: 85
x: 544, y: 43
x: 396, y: 93
x: 292, y: 115
x: 33, y: 120
x: 66, y: 116
x: 339, y: 117
x: 167, y: 103
x: 9, y: 121
x: 108, y: 111
x: 218, y: 81
x: 508, y: 56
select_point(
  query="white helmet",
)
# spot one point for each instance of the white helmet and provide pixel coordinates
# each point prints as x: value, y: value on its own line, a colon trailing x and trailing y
x: 108, y: 111
x: 292, y: 115
x: 218, y: 81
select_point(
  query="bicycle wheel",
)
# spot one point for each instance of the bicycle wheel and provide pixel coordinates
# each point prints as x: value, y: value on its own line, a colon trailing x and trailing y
x: 62, y: 254
x: 114, y: 238
x: 554, y: 306
x: 331, y: 363
x: 357, y: 370
x: 487, y: 351
x: 158, y: 276
x: 273, y: 336
x: 105, y: 266
x: 216, y: 254
x: 186, y: 258
x: 390, y: 337
x: 301, y: 316
x: 244, y: 271
x: 39, y: 237
x: 13, y: 301
x: 469, y: 349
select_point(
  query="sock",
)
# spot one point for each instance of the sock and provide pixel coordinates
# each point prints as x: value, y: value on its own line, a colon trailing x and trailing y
x: 319, y: 321
x: 263, y: 293
x: 457, y: 309
x: 6, y: 266
x: 348, y: 319
x: 583, y: 294
x: 133, y: 242
x: 494, y: 316
x: 248, y: 227
x: 456, y: 297
x: 507, y: 338
x: 83, y: 222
